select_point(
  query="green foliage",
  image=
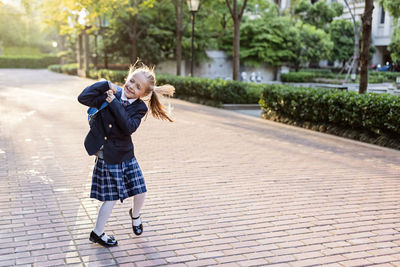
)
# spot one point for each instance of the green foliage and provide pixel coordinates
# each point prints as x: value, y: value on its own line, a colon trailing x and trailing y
x: 71, y: 69
x: 29, y: 62
x: 308, y: 76
x: 216, y: 90
x: 392, y: 7
x: 312, y: 46
x: 269, y: 39
x: 21, y: 51
x: 394, y: 46
x: 342, y: 35
x: 19, y: 29
x: 376, y: 113
x: 319, y: 14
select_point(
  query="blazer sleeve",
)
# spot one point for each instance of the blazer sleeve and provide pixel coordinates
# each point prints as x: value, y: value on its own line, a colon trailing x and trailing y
x: 94, y: 95
x: 127, y: 122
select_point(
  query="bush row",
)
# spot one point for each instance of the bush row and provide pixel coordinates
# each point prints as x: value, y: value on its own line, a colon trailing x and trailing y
x: 71, y: 69
x: 201, y: 90
x: 315, y: 76
x: 376, y: 113
x: 28, y: 62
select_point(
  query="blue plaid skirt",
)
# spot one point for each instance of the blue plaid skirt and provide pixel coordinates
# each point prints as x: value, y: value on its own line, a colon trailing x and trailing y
x: 117, y: 181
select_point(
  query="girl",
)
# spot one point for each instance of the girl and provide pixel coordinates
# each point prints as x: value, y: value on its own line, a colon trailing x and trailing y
x: 116, y: 174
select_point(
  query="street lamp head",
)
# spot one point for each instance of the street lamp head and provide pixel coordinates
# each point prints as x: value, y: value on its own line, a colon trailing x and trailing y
x: 193, y: 5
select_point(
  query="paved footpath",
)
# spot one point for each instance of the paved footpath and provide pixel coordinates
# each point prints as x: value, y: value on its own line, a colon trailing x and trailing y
x: 223, y: 188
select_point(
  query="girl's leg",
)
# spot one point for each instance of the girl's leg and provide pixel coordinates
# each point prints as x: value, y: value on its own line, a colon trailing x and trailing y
x: 137, y: 204
x: 104, y: 214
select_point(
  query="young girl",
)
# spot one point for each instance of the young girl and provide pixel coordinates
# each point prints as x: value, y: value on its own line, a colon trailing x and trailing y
x: 116, y: 174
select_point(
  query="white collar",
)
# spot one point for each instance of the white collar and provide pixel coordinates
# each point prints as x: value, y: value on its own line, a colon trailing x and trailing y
x: 123, y: 97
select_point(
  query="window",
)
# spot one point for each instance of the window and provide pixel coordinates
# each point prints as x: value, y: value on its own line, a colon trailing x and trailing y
x: 382, y: 15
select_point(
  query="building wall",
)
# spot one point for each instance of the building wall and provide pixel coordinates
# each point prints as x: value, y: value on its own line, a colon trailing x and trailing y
x: 219, y: 66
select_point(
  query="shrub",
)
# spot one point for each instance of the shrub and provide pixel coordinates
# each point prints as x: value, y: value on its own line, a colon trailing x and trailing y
x: 217, y: 90
x: 28, y: 62
x: 71, y: 69
x: 376, y: 113
x: 317, y: 75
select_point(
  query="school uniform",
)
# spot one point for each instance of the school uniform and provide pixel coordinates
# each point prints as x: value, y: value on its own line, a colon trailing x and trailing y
x: 116, y: 174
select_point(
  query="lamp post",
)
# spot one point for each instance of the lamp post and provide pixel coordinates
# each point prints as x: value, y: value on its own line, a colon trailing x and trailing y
x: 193, y: 8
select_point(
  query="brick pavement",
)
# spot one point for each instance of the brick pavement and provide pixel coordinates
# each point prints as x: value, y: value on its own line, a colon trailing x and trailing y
x: 223, y: 188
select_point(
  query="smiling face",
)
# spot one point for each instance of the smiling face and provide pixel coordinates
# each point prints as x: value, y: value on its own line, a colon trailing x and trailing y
x: 136, y: 85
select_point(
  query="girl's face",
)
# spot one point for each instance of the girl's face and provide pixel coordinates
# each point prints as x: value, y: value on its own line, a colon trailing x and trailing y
x: 135, y: 86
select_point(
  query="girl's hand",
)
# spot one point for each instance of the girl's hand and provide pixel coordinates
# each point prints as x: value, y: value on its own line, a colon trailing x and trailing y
x: 113, y: 87
x: 110, y: 96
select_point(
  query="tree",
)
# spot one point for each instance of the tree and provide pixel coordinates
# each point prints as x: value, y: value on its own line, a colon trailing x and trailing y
x: 365, y: 45
x: 178, y: 4
x: 314, y: 45
x: 342, y: 35
x: 319, y: 14
x: 20, y: 28
x: 237, y: 14
x: 268, y: 39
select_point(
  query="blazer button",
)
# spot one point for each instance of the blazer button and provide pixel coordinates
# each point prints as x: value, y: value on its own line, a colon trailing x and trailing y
x: 109, y: 126
x: 105, y: 137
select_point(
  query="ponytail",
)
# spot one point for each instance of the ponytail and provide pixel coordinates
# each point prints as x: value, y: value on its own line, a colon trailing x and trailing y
x: 156, y: 107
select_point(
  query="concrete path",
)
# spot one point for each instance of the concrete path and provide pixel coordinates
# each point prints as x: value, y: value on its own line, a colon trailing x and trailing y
x: 223, y: 188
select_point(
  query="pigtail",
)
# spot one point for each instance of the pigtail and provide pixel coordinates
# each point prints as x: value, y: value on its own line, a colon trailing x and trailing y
x: 156, y: 107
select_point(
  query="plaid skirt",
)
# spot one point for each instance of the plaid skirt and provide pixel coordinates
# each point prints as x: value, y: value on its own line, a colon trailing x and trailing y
x: 117, y: 181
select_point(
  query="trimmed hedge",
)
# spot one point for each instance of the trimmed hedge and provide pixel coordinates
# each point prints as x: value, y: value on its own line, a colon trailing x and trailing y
x: 318, y: 76
x: 71, y: 69
x: 304, y: 76
x: 378, y: 115
x: 28, y: 62
x: 215, y: 90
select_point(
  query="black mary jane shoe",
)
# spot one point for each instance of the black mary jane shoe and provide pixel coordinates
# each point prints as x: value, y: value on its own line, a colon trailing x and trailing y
x: 138, y: 230
x: 111, y: 242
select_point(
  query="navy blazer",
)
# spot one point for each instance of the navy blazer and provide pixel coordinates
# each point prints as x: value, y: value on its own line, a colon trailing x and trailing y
x: 115, y: 125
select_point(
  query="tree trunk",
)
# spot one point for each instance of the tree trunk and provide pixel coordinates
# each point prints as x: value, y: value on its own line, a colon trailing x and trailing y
x: 179, y: 32
x: 79, y: 52
x: 95, y: 54
x: 236, y: 50
x: 86, y: 57
x: 365, y: 44
x: 133, y: 39
x: 236, y: 16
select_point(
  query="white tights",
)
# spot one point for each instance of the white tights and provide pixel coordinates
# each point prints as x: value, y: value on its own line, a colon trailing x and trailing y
x: 106, y: 209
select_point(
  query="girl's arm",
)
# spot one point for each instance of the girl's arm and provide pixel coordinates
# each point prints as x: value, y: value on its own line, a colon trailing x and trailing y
x: 127, y: 123
x: 94, y: 95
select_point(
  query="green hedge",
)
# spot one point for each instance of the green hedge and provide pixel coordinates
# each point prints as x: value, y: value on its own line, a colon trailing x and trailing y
x: 71, y: 69
x: 215, y: 90
x: 378, y: 114
x: 316, y: 76
x: 28, y: 62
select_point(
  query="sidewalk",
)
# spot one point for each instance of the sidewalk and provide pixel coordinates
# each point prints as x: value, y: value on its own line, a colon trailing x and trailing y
x: 223, y: 188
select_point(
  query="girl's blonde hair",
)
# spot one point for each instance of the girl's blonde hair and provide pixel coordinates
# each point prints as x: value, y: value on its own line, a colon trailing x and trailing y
x: 157, y: 109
